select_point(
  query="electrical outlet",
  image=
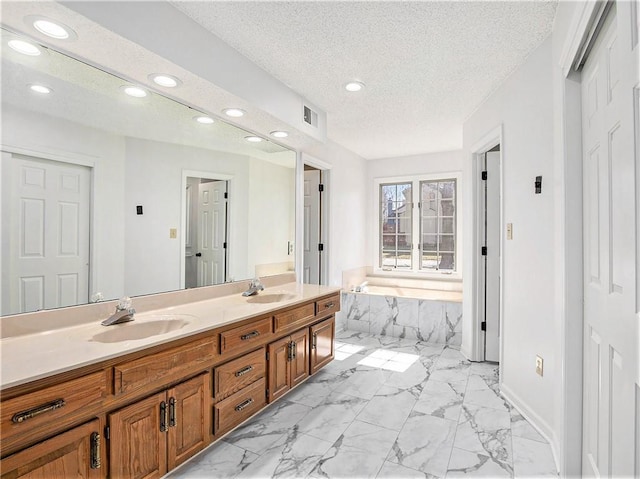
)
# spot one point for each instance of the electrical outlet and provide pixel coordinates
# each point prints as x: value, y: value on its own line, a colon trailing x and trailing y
x: 509, y: 231
x: 539, y: 366
x: 173, y: 233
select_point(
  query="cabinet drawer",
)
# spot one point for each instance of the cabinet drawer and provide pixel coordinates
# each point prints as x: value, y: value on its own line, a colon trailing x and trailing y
x: 240, y: 338
x: 294, y: 317
x: 239, y: 373
x: 328, y: 306
x: 238, y: 407
x: 33, y: 414
x: 164, y: 366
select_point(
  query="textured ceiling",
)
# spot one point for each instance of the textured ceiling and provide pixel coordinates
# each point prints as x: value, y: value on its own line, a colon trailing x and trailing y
x: 426, y: 65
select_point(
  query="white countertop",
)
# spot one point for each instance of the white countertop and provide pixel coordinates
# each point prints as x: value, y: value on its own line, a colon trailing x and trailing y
x: 34, y: 356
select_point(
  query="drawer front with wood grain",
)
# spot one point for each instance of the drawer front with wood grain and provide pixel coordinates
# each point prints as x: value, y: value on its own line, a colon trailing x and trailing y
x: 239, y: 406
x: 243, y: 337
x: 328, y: 306
x: 163, y: 367
x: 294, y: 317
x: 34, y: 414
x: 241, y: 372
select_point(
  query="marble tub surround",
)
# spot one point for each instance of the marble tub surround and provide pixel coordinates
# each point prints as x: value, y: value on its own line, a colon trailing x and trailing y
x: 28, y: 357
x: 425, y: 413
x: 427, y: 320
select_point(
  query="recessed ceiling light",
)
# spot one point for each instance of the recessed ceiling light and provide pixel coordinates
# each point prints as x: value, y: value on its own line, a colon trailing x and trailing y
x: 253, y: 139
x: 52, y: 29
x: 354, y: 86
x: 134, y: 91
x: 45, y: 90
x: 168, y: 81
x: 279, y: 134
x: 205, y: 120
x: 234, y: 112
x: 25, y: 48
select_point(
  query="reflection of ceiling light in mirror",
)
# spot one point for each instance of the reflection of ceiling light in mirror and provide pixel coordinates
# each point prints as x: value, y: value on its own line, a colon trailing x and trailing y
x: 25, y: 48
x: 234, y: 112
x: 40, y: 89
x: 253, y: 139
x: 354, y: 86
x: 205, y: 120
x: 168, y: 81
x: 135, y: 91
x: 51, y: 29
x: 279, y: 134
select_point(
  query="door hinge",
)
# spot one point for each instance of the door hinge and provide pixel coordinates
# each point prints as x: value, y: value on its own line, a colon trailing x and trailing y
x: 226, y: 195
x: 484, y: 175
x: 320, y: 247
x: 267, y: 356
x: 483, y: 326
x: 107, y: 432
x: 484, y: 251
x: 320, y: 187
x: 224, y: 245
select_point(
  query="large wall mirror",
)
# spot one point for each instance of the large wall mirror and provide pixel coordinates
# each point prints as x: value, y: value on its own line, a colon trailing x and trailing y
x: 105, y: 194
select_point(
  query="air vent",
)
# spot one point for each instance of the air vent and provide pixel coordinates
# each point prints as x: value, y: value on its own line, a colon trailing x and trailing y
x: 310, y: 117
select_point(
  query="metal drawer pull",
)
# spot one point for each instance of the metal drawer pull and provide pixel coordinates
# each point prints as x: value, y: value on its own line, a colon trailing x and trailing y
x: 243, y: 404
x: 172, y: 412
x: 250, y: 335
x: 36, y: 411
x: 314, y: 341
x: 244, y: 371
x: 95, y: 451
x: 163, y: 416
x: 329, y: 305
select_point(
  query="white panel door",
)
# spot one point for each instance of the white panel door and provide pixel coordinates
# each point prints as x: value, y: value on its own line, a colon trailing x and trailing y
x: 212, y: 226
x: 45, y: 240
x: 311, y: 255
x: 492, y: 259
x: 611, y: 339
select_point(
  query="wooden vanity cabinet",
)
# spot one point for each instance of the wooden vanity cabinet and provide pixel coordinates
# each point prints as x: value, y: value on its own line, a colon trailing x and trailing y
x: 322, y: 344
x: 288, y: 360
x: 76, y: 453
x: 156, y: 434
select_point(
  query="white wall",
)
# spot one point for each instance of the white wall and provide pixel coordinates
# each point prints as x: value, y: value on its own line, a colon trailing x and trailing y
x: 415, y: 165
x: 53, y: 138
x: 154, y: 180
x: 523, y: 106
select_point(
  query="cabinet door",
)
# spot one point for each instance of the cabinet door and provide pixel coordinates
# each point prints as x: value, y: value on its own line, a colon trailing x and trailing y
x: 189, y: 419
x: 279, y: 371
x: 300, y: 361
x: 322, y: 339
x: 139, y: 439
x: 75, y: 453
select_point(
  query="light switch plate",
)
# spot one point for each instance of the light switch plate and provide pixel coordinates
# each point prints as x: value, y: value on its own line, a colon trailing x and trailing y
x: 539, y: 366
x: 509, y: 231
x: 173, y: 233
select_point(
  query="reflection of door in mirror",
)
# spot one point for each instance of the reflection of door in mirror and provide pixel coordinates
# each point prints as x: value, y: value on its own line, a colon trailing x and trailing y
x: 45, y: 239
x: 206, y: 235
x: 311, y: 256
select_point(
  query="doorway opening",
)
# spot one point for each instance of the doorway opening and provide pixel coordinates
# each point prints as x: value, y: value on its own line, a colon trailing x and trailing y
x: 312, y: 240
x: 490, y: 252
x: 205, y: 225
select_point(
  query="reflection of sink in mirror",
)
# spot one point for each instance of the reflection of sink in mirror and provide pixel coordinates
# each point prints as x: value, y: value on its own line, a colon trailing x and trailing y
x: 271, y: 298
x: 140, y: 330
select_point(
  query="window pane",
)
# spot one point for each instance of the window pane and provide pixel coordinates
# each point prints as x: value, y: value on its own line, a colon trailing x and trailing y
x: 446, y: 261
x: 388, y: 242
x: 446, y: 225
x: 429, y: 243
x: 430, y: 226
x: 447, y: 208
x: 447, y: 243
x: 447, y: 189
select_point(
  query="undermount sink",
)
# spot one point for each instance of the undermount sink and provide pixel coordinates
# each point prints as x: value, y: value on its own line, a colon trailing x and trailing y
x: 140, y: 330
x: 271, y: 298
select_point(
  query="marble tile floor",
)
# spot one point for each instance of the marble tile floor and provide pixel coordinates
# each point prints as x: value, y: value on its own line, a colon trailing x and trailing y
x: 385, y: 408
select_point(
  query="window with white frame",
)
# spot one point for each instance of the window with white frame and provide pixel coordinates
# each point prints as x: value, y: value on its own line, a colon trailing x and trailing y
x: 418, y: 234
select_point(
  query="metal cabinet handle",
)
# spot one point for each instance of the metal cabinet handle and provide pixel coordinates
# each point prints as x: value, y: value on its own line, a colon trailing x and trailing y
x: 244, y: 371
x: 172, y: 412
x: 36, y: 411
x: 244, y: 404
x: 329, y: 305
x: 163, y: 416
x: 294, y: 346
x: 250, y: 335
x: 96, y: 461
x: 314, y: 341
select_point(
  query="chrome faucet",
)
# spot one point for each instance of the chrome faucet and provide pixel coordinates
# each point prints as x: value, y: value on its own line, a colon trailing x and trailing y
x: 124, y: 312
x: 254, y: 286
